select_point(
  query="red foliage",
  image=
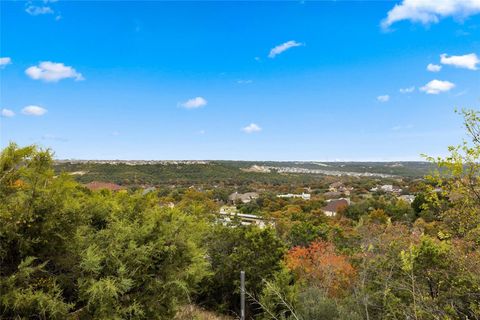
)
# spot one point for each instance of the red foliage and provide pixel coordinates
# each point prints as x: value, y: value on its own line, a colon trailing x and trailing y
x: 320, y: 265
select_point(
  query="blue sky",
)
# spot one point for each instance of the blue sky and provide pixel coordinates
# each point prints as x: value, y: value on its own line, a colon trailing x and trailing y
x: 203, y: 80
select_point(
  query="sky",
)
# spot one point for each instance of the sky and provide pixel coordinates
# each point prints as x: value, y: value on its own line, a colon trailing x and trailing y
x: 324, y: 80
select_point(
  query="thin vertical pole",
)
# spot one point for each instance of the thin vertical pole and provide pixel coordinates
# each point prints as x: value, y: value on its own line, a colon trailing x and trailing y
x: 242, y: 295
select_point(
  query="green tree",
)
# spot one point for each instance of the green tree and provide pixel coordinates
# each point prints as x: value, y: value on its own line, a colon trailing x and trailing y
x: 256, y: 251
x: 140, y: 265
x: 458, y: 181
x: 66, y: 252
x: 279, y: 296
x: 303, y: 233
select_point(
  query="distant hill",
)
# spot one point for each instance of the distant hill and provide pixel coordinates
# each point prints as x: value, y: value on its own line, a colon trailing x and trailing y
x: 232, y: 172
x: 411, y: 169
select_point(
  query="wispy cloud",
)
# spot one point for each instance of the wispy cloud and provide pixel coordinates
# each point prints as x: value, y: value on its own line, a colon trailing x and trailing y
x: 407, y: 90
x: 5, y: 61
x: 241, y: 81
x: 467, y: 61
x: 38, y: 10
x: 33, y: 110
x: 383, y: 98
x: 461, y: 93
x: 251, y: 128
x: 283, y: 47
x: 434, y: 67
x: 53, y: 72
x: 430, y: 11
x: 437, y: 86
x: 6, y: 113
x: 194, y: 103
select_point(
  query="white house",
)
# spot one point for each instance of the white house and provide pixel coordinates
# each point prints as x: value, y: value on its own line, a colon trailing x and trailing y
x: 387, y: 188
x: 228, y: 215
x: 304, y: 196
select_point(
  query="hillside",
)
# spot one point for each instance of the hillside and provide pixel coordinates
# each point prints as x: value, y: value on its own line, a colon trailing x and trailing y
x: 227, y: 172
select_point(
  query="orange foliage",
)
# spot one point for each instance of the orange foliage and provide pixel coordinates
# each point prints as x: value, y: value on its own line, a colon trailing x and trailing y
x: 19, y: 184
x: 320, y: 265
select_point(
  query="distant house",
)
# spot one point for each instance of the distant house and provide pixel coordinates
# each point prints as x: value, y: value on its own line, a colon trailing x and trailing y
x: 387, y: 188
x: 339, y: 187
x: 229, y: 215
x: 334, y: 186
x: 334, y: 206
x: 243, y: 197
x: 97, y: 185
x: 409, y: 198
x: 304, y: 196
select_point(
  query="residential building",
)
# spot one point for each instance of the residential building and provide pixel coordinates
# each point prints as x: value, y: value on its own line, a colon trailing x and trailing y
x: 304, y: 196
x: 387, y: 188
x: 243, y: 197
x: 229, y: 215
x: 335, y: 205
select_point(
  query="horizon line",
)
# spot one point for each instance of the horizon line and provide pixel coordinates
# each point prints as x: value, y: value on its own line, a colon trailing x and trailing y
x: 238, y: 160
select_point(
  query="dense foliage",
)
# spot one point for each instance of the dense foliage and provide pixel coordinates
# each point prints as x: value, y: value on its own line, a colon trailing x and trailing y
x: 67, y: 253
x: 169, y: 173
x: 226, y: 172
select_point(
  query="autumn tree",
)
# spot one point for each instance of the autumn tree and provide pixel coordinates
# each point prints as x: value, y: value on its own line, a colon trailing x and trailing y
x: 319, y: 264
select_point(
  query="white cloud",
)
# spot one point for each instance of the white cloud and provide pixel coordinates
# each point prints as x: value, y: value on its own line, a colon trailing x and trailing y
x: 283, y: 47
x: 430, y: 11
x: 194, y: 103
x: 437, y: 86
x: 5, y: 61
x: 383, y: 98
x: 7, y: 113
x: 52, y: 72
x: 37, y: 10
x: 434, y: 67
x: 407, y: 90
x: 34, y: 111
x: 252, y: 127
x: 467, y: 61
